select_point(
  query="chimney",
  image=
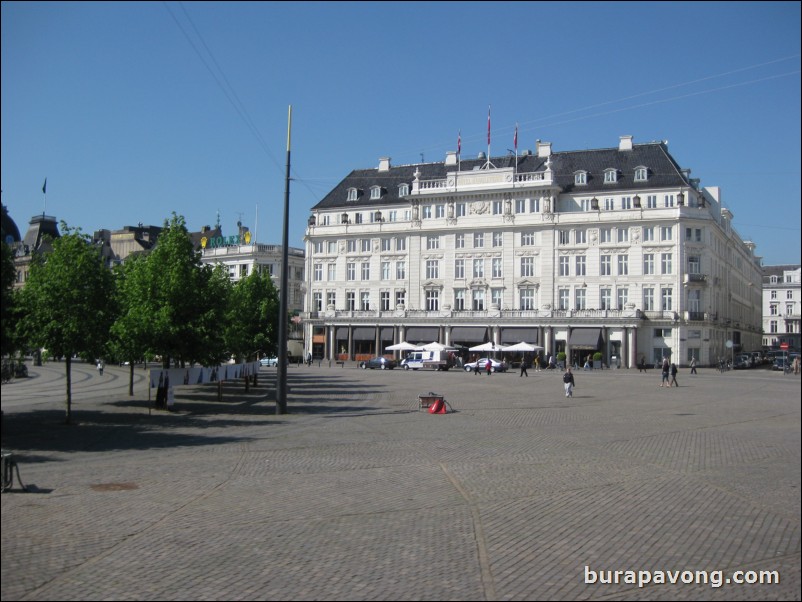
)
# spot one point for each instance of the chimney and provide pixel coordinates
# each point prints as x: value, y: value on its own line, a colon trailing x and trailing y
x: 625, y: 144
x: 384, y: 163
x: 543, y: 149
x: 451, y: 158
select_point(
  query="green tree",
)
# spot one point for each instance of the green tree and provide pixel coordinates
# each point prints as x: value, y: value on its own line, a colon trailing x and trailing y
x: 67, y: 304
x: 8, y: 275
x: 252, y: 317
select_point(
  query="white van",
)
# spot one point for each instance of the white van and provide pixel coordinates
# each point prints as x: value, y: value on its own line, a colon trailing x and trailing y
x: 435, y: 360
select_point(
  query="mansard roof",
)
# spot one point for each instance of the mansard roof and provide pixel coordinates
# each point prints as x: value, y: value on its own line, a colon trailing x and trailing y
x: 663, y: 172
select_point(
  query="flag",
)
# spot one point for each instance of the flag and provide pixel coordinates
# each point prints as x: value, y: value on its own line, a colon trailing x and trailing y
x: 459, y: 142
x: 488, y: 125
x: 44, y: 187
x: 515, y: 139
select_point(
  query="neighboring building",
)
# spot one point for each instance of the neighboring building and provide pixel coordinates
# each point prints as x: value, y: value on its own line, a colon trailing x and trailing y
x: 241, y: 257
x: 781, y: 306
x: 119, y: 244
x: 42, y: 230
x: 614, y: 250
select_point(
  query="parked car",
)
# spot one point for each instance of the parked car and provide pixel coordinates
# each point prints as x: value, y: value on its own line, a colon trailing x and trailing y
x: 381, y: 363
x: 742, y: 361
x: 269, y: 361
x: 495, y: 365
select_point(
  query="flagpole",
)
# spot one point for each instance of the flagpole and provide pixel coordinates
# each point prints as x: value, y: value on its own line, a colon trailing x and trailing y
x: 281, y: 377
x: 488, y: 135
x: 44, y: 192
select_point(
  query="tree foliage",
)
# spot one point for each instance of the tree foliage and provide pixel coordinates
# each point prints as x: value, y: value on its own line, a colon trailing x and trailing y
x: 8, y: 275
x: 252, y: 311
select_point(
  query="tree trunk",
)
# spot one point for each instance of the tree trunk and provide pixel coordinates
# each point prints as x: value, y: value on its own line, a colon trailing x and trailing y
x: 68, y: 367
x: 131, y: 381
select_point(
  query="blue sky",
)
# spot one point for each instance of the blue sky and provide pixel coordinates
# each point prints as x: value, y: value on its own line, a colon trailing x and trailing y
x: 133, y: 111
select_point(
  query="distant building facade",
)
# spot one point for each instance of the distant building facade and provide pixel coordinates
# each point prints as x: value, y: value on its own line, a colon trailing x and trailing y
x: 613, y: 250
x: 782, y: 306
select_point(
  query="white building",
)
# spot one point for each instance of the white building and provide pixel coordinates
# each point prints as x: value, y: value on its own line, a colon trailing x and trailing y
x: 614, y: 250
x: 781, y: 306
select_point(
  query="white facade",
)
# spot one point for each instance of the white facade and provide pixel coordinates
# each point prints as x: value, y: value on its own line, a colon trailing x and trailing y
x: 782, y: 306
x: 614, y: 250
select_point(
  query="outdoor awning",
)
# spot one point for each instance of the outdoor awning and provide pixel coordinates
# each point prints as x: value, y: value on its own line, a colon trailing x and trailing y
x: 342, y: 333
x: 468, y: 334
x: 585, y: 338
x: 425, y: 334
x: 511, y: 336
x: 387, y: 333
x: 364, y: 333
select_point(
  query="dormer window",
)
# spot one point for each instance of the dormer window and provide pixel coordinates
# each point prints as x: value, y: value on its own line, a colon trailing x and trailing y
x: 403, y: 189
x: 641, y: 174
x: 580, y: 178
x: 352, y: 194
x: 375, y: 192
x: 610, y: 176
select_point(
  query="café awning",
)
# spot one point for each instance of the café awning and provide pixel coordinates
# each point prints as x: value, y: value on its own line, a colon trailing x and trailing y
x: 589, y: 339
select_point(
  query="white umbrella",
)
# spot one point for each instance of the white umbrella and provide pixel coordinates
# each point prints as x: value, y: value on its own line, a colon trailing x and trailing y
x: 435, y: 346
x: 489, y: 346
x: 522, y: 347
x: 402, y: 346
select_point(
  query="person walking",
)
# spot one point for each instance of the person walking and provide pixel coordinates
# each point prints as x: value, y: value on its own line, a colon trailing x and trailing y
x: 489, y: 367
x: 674, y: 382
x: 100, y: 367
x: 523, y: 368
x: 693, y: 365
x: 665, y: 371
x: 642, y: 364
x: 476, y: 367
x: 568, y: 382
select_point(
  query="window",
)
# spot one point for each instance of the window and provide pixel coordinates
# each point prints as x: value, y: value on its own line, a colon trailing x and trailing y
x: 695, y: 301
x: 668, y: 200
x: 662, y: 333
x: 606, y: 235
x: 605, y: 265
x: 440, y: 211
x: 623, y: 265
x: 666, y: 233
x: 351, y: 271
x: 400, y: 244
x: 580, y: 265
x: 698, y: 234
x: 610, y: 176
x: 317, y: 301
x: 648, y: 234
x: 641, y: 174
x: 694, y: 264
x: 498, y: 207
x: 648, y: 299
x: 648, y: 263
x: 352, y: 194
x: 375, y: 192
x: 478, y: 268
x: 365, y: 270
x: 498, y: 239
x: 325, y: 219
x: 400, y: 270
x: 478, y: 300
x: 357, y: 218
x: 365, y: 245
x: 774, y: 294
x: 581, y: 178
x: 626, y: 202
x: 385, y: 270
x: 478, y: 240
x: 623, y: 234
x: 527, y: 239
x: 534, y: 205
x: 496, y: 295
x: 432, y: 242
x: 459, y: 299
x: 495, y: 267
x: 460, y: 209
x: 364, y: 301
x: 667, y: 298
x: 427, y: 211
x: 387, y: 245
x: 605, y: 298
x: 350, y: 300
x: 789, y: 295
x: 459, y: 241
x: 773, y: 327
x: 400, y: 298
x: 688, y: 233
x: 520, y: 206
x: 332, y: 272
x: 318, y: 248
x: 527, y: 267
x: 403, y: 189
x: 318, y: 272
x: 459, y: 269
x: 581, y: 237
x: 623, y: 297
x: 384, y: 300
x: 352, y: 246
x: 564, y: 298
x: 432, y: 268
x: 651, y: 201
x: 432, y: 300
x: 564, y: 271
x: 774, y: 309
x: 331, y: 298
x: 527, y: 298
x: 580, y: 298
x: 666, y: 263
x: 609, y: 204
x: 393, y: 217
x: 564, y: 237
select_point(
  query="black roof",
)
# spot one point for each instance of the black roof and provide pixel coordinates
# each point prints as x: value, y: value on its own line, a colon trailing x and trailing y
x: 663, y: 172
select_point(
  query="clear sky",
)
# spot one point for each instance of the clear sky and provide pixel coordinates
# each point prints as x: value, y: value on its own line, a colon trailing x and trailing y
x: 133, y: 111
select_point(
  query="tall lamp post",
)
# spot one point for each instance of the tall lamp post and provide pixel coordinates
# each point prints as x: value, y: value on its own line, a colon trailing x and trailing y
x: 281, y: 380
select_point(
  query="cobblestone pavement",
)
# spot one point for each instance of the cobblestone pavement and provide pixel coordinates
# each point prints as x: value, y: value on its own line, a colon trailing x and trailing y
x: 519, y: 494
